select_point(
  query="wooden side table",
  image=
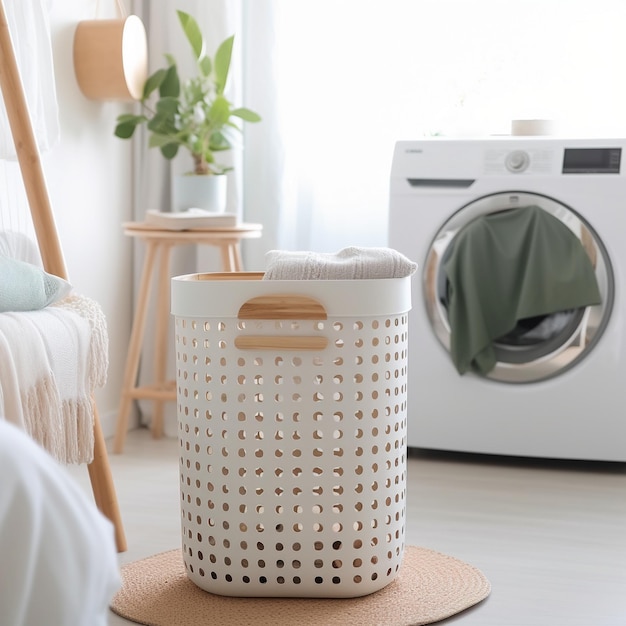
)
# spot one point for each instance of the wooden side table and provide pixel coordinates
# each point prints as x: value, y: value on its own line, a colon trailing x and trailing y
x: 159, y: 245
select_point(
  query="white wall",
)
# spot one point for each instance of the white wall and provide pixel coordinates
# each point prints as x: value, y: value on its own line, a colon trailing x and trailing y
x: 89, y: 182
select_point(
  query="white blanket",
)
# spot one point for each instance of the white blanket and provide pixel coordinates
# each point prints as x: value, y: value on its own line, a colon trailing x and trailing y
x: 347, y: 264
x: 59, y: 563
x: 51, y: 360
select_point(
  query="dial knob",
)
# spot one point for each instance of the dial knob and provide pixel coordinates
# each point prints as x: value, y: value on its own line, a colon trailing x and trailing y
x: 517, y: 161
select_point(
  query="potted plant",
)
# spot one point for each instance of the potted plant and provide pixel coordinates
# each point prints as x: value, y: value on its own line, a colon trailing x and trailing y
x: 194, y: 115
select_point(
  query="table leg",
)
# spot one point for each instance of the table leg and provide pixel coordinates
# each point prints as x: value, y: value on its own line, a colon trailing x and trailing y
x: 134, y: 348
x: 231, y: 256
x: 161, y: 337
x: 236, y: 253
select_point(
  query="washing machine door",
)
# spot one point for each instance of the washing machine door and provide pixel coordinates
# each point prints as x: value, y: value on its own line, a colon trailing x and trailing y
x: 538, y: 348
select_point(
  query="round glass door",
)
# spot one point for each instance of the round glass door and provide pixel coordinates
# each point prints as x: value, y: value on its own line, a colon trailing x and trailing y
x: 538, y: 347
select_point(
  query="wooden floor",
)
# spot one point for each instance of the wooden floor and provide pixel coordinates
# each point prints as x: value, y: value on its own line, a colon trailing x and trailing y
x: 549, y: 536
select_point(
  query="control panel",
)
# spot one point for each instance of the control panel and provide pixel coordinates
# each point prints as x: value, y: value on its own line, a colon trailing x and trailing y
x: 527, y: 160
x: 592, y: 160
x: 547, y: 160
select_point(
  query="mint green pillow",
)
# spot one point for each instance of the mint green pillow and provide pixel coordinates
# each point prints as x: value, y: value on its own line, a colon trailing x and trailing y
x: 26, y: 287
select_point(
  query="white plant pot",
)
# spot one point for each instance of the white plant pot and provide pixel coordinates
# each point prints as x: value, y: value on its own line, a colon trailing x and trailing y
x: 199, y: 192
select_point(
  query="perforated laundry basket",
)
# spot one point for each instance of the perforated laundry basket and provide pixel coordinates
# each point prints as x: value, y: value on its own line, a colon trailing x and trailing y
x: 292, y: 424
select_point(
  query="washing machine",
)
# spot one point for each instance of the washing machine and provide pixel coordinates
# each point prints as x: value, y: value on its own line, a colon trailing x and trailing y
x: 555, y: 385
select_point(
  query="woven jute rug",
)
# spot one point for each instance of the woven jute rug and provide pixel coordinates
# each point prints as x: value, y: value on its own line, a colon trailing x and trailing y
x: 430, y: 586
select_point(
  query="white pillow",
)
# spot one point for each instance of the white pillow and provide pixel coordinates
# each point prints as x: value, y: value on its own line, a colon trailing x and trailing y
x: 18, y: 245
x: 26, y: 287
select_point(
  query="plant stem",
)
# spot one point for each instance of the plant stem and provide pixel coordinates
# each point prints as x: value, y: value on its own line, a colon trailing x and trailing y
x: 201, y: 167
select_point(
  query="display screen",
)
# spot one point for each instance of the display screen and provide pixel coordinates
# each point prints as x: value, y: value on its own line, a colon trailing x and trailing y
x: 592, y: 160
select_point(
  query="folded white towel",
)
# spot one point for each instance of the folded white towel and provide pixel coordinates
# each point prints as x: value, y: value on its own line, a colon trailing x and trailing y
x: 347, y: 264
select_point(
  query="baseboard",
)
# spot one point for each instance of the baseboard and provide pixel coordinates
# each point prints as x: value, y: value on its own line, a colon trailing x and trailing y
x: 108, y: 421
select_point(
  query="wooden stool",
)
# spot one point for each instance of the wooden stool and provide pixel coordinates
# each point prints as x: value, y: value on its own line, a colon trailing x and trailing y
x: 159, y: 244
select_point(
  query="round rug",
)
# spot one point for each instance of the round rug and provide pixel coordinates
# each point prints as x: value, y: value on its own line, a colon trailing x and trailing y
x: 430, y: 586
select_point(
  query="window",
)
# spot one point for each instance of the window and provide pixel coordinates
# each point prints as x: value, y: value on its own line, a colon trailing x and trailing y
x: 354, y: 76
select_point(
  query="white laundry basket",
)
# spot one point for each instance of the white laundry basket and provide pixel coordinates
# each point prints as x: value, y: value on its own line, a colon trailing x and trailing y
x: 292, y: 406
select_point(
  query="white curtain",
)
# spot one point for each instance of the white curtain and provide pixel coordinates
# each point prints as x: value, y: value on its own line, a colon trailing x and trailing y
x: 338, y: 82
x: 29, y: 26
x: 30, y: 34
x: 217, y: 19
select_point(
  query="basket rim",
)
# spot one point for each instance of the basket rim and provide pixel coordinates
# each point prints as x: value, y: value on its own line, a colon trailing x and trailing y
x: 221, y: 294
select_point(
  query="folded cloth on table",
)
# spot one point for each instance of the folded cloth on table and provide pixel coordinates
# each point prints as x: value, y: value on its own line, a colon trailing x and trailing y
x: 347, y: 264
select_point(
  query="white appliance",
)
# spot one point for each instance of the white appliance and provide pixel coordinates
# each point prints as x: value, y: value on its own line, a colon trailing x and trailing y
x: 563, y: 395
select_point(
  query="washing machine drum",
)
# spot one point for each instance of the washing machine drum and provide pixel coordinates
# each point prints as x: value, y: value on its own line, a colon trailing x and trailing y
x: 518, y: 287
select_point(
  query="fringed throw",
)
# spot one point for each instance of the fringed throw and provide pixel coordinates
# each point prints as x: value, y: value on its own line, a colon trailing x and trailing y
x: 50, y: 363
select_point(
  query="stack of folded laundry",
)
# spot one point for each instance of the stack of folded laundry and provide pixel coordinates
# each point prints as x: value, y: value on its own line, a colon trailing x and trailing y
x: 347, y: 264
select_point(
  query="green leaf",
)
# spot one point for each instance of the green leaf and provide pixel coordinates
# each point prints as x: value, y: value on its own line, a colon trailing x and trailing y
x: 163, y: 123
x: 170, y: 85
x: 153, y: 82
x: 246, y: 114
x: 127, y: 117
x: 219, y: 141
x: 222, y: 63
x: 159, y: 141
x: 195, y: 91
x: 126, y: 125
x: 192, y: 32
x: 167, y: 105
x: 169, y: 151
x: 219, y: 111
x: 205, y: 66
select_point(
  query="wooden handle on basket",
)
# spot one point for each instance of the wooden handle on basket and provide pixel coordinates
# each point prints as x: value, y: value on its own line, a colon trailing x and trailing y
x: 280, y: 342
x: 282, y: 307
